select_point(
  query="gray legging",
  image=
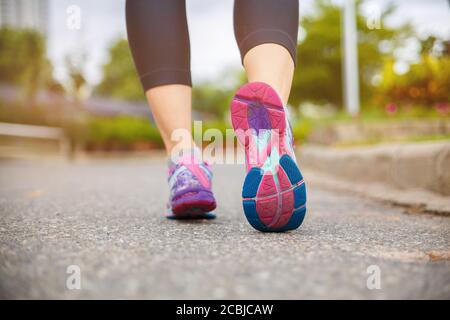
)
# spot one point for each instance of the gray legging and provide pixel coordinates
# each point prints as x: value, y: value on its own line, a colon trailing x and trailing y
x: 159, y: 37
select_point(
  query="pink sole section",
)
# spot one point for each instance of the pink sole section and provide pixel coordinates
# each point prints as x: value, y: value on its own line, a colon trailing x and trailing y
x: 260, y: 91
x: 267, y: 186
x: 283, y: 180
x: 266, y: 209
x: 268, y: 200
x: 263, y: 94
x: 277, y: 119
x: 239, y: 115
x: 286, y: 209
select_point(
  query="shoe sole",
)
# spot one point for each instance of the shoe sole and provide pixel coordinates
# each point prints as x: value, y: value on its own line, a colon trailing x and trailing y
x: 192, y: 214
x: 273, y: 192
x: 197, y: 206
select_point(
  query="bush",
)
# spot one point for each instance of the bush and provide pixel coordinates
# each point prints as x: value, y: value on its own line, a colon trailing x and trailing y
x: 301, y: 130
x: 426, y: 83
x: 122, y: 133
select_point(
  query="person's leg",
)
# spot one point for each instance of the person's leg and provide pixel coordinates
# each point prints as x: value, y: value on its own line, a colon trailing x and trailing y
x: 272, y: 64
x: 273, y: 192
x: 159, y: 41
x: 171, y: 109
x: 266, y: 32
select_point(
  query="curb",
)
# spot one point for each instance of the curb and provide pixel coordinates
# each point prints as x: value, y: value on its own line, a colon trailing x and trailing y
x: 416, y: 175
x: 414, y: 200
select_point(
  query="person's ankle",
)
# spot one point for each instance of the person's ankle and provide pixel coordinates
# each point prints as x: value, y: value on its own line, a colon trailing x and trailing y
x: 188, y: 155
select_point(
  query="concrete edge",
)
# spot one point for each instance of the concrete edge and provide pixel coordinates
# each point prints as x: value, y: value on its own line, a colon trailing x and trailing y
x: 415, y: 176
x: 414, y: 200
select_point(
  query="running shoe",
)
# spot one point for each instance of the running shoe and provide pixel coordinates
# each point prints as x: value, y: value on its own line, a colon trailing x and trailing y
x: 191, y: 196
x: 273, y: 192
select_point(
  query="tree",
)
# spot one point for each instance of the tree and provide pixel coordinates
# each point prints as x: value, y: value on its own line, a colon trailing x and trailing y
x: 23, y: 61
x: 77, y: 80
x: 120, y: 79
x: 209, y: 99
x: 426, y: 82
x: 318, y: 76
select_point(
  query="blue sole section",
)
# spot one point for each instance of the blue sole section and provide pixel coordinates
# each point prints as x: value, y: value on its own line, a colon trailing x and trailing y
x: 291, y: 169
x: 251, y: 183
x: 296, y: 220
x: 252, y: 217
x: 299, y: 195
x: 250, y: 188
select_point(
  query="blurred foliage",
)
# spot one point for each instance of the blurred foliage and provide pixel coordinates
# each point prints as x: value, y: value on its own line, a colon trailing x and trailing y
x: 24, y: 62
x: 318, y: 76
x: 90, y: 132
x: 77, y: 81
x: 426, y: 83
x: 39, y: 115
x: 302, y: 129
x: 210, y: 99
x: 121, y: 133
x: 120, y: 79
x: 317, y: 79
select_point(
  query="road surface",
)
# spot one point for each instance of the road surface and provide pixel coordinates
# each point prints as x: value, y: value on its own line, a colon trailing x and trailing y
x: 106, y: 217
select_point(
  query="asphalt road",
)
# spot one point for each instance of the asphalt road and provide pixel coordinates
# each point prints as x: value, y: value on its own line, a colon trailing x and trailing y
x: 106, y: 216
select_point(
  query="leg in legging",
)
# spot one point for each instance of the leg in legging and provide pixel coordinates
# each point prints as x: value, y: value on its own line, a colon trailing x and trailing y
x: 266, y: 32
x: 159, y: 41
x: 278, y: 73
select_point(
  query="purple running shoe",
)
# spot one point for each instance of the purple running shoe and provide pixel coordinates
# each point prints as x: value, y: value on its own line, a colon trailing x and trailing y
x: 191, y: 196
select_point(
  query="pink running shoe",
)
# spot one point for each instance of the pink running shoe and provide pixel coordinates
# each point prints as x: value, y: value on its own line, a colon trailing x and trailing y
x: 273, y: 193
x: 190, y: 190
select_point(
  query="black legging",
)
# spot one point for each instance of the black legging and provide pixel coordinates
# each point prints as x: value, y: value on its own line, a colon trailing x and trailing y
x: 159, y: 38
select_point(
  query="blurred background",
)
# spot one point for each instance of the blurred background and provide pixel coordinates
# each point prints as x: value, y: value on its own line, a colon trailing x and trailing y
x: 67, y: 81
x: 82, y: 166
